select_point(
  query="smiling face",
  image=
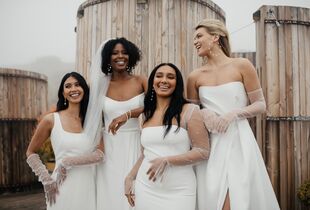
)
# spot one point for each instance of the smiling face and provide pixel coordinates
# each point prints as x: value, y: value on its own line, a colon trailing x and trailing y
x: 164, y: 82
x: 119, y: 58
x: 72, y: 91
x: 204, y: 42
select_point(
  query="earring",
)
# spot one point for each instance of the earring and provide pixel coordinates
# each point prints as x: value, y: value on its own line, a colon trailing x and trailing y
x: 65, y: 102
x: 128, y: 69
x: 152, y: 94
x: 109, y: 68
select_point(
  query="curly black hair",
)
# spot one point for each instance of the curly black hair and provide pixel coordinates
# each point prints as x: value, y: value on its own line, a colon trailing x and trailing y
x: 133, y: 52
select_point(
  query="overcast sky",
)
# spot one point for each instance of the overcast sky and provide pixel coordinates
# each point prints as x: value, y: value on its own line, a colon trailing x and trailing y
x: 31, y: 29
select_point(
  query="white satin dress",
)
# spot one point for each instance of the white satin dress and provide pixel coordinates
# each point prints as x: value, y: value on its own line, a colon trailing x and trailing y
x: 121, y: 153
x: 176, y: 190
x: 78, y: 192
x: 235, y: 163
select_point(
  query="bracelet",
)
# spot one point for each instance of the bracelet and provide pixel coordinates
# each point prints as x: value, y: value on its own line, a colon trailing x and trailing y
x: 129, y: 114
x: 126, y: 116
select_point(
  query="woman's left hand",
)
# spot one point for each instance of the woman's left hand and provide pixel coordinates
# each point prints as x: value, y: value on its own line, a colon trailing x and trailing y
x: 117, y: 123
x: 157, y: 168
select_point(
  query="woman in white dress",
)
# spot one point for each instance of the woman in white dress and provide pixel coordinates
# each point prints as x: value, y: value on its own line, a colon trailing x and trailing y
x: 72, y: 184
x: 125, y: 92
x: 173, y: 138
x: 235, y: 176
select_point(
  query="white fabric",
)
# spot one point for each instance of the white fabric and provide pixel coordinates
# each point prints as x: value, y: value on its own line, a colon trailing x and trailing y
x: 99, y: 83
x: 78, y: 190
x: 177, y: 188
x: 235, y: 161
x: 121, y: 153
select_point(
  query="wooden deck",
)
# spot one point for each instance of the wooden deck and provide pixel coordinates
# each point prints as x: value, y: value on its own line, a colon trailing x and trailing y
x: 33, y: 200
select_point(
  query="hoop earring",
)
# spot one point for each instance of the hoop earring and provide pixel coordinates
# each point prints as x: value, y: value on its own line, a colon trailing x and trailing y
x: 109, y: 68
x: 65, y: 102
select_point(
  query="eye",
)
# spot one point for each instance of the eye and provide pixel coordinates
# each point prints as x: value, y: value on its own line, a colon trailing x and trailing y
x: 67, y: 85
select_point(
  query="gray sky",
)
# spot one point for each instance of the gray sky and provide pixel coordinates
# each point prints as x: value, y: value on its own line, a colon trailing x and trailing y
x: 31, y: 29
x: 38, y: 35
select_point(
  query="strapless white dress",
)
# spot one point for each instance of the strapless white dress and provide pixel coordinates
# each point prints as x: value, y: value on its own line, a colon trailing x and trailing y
x: 235, y: 164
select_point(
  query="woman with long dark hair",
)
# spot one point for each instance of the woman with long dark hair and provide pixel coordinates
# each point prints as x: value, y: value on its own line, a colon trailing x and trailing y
x: 173, y: 138
x: 70, y: 187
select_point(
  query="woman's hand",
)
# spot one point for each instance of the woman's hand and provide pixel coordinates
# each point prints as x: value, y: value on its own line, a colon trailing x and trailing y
x: 157, y: 168
x: 117, y: 123
x: 129, y: 190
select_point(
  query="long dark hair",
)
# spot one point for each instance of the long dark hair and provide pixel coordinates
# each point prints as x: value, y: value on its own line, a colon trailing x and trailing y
x: 176, y: 103
x: 133, y: 52
x: 83, y: 104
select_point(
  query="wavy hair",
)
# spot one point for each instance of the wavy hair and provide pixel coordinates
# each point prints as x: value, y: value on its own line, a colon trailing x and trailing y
x: 216, y: 27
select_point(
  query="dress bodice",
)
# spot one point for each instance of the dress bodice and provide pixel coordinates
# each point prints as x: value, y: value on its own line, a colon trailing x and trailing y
x: 155, y: 145
x: 223, y: 98
x: 68, y: 144
x: 113, y: 108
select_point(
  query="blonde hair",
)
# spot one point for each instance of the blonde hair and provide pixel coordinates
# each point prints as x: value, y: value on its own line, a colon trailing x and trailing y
x: 216, y: 27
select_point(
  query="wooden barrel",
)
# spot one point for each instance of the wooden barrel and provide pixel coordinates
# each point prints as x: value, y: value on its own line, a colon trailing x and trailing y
x: 23, y: 97
x: 282, y: 60
x: 162, y: 29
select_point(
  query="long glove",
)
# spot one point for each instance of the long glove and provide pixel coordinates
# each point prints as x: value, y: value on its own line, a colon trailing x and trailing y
x: 257, y: 106
x: 69, y: 162
x: 200, y: 146
x: 50, y: 185
x: 130, y: 179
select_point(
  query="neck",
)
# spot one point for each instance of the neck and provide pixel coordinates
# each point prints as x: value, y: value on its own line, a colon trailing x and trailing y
x: 73, y: 110
x: 216, y: 59
x: 162, y: 104
x: 120, y: 75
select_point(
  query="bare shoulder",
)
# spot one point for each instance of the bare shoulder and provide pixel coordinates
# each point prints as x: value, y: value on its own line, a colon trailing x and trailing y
x: 243, y: 64
x: 195, y: 73
x: 48, y: 120
x: 140, y: 78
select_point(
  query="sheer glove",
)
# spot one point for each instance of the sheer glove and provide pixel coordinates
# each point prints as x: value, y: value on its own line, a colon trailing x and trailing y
x: 157, y: 169
x: 49, y: 185
x: 129, y: 190
x: 257, y: 106
x: 199, y: 143
x: 130, y: 180
x: 69, y: 162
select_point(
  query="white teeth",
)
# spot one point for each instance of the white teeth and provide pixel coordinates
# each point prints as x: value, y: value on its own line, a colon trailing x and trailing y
x: 74, y: 95
x: 120, y: 62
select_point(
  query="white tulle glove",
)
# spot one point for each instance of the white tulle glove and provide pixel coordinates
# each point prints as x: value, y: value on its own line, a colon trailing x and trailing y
x: 50, y: 185
x: 257, y: 106
x: 200, y: 147
x: 69, y: 162
x: 130, y: 180
x: 158, y: 168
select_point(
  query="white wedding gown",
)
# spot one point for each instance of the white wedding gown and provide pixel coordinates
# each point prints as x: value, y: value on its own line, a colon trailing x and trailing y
x: 78, y: 190
x: 121, y: 153
x: 177, y: 189
x: 235, y: 163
